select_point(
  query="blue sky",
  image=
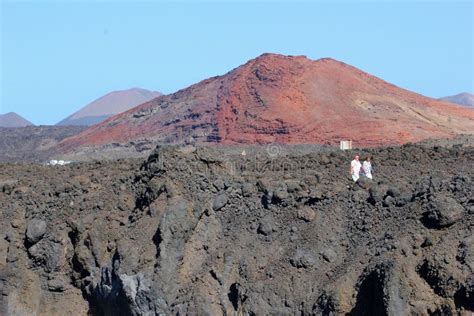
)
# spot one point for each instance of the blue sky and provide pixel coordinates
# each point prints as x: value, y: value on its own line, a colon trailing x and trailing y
x: 57, y: 56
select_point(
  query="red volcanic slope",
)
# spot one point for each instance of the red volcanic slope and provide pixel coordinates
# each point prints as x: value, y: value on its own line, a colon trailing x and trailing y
x: 285, y: 99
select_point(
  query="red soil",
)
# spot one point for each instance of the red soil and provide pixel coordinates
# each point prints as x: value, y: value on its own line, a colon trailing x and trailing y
x: 282, y: 99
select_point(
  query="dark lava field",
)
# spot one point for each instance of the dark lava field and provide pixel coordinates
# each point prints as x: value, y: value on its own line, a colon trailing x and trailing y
x: 212, y: 231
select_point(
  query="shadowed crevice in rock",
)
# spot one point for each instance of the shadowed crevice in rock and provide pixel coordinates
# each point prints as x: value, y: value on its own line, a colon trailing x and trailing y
x: 429, y: 274
x: 108, y: 297
x: 464, y: 298
x: 325, y: 305
x: 233, y: 295
x: 371, y: 298
x: 157, y: 239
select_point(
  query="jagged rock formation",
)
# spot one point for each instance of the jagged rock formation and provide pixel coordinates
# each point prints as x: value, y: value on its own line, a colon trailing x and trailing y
x: 284, y: 99
x: 209, y: 231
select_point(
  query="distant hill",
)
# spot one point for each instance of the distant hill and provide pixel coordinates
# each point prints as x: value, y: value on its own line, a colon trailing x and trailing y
x: 285, y: 100
x: 13, y: 120
x: 33, y: 143
x: 108, y: 105
x: 464, y: 98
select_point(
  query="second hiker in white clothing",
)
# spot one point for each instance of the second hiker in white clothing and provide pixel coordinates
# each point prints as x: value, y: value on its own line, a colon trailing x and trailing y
x: 367, y: 167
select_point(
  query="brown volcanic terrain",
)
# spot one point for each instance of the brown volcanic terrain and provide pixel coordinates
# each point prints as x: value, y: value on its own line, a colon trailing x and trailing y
x: 285, y: 99
x: 33, y: 143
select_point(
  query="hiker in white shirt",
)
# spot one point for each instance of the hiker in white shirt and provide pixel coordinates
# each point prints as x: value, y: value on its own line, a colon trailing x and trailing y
x: 367, y: 167
x: 355, y: 168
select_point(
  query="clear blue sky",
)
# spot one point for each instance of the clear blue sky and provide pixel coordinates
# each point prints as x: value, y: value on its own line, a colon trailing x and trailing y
x: 56, y: 56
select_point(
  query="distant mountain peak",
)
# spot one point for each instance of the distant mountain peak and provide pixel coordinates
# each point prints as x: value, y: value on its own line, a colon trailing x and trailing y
x: 463, y: 98
x: 108, y: 105
x: 12, y: 119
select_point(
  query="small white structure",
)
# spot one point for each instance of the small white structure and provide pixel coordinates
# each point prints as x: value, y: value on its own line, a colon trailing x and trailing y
x: 58, y: 162
x: 345, y: 144
x: 52, y: 162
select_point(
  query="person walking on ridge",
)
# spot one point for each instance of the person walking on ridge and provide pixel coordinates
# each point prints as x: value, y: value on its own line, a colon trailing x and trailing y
x: 367, y: 168
x: 355, y: 168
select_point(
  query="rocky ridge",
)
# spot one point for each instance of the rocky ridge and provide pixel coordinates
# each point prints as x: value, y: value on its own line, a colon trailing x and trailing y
x: 201, y: 230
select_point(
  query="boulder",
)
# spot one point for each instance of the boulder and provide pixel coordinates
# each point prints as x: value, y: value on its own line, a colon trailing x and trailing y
x: 266, y: 226
x: 281, y: 193
x: 219, y: 184
x: 248, y: 189
x: 48, y: 254
x: 302, y: 259
x: 307, y: 214
x: 155, y: 187
x: 377, y: 193
x: 443, y: 211
x: 360, y: 196
x: 388, y: 201
x: 293, y: 186
x: 364, y: 182
x: 35, y: 230
x: 315, y: 193
x: 219, y: 202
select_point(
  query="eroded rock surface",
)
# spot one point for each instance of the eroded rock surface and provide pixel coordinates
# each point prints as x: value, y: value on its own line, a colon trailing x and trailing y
x: 205, y: 231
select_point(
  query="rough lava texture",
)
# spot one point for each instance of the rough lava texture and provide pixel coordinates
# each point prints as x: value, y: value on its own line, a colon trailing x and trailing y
x: 205, y: 231
x: 285, y: 99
